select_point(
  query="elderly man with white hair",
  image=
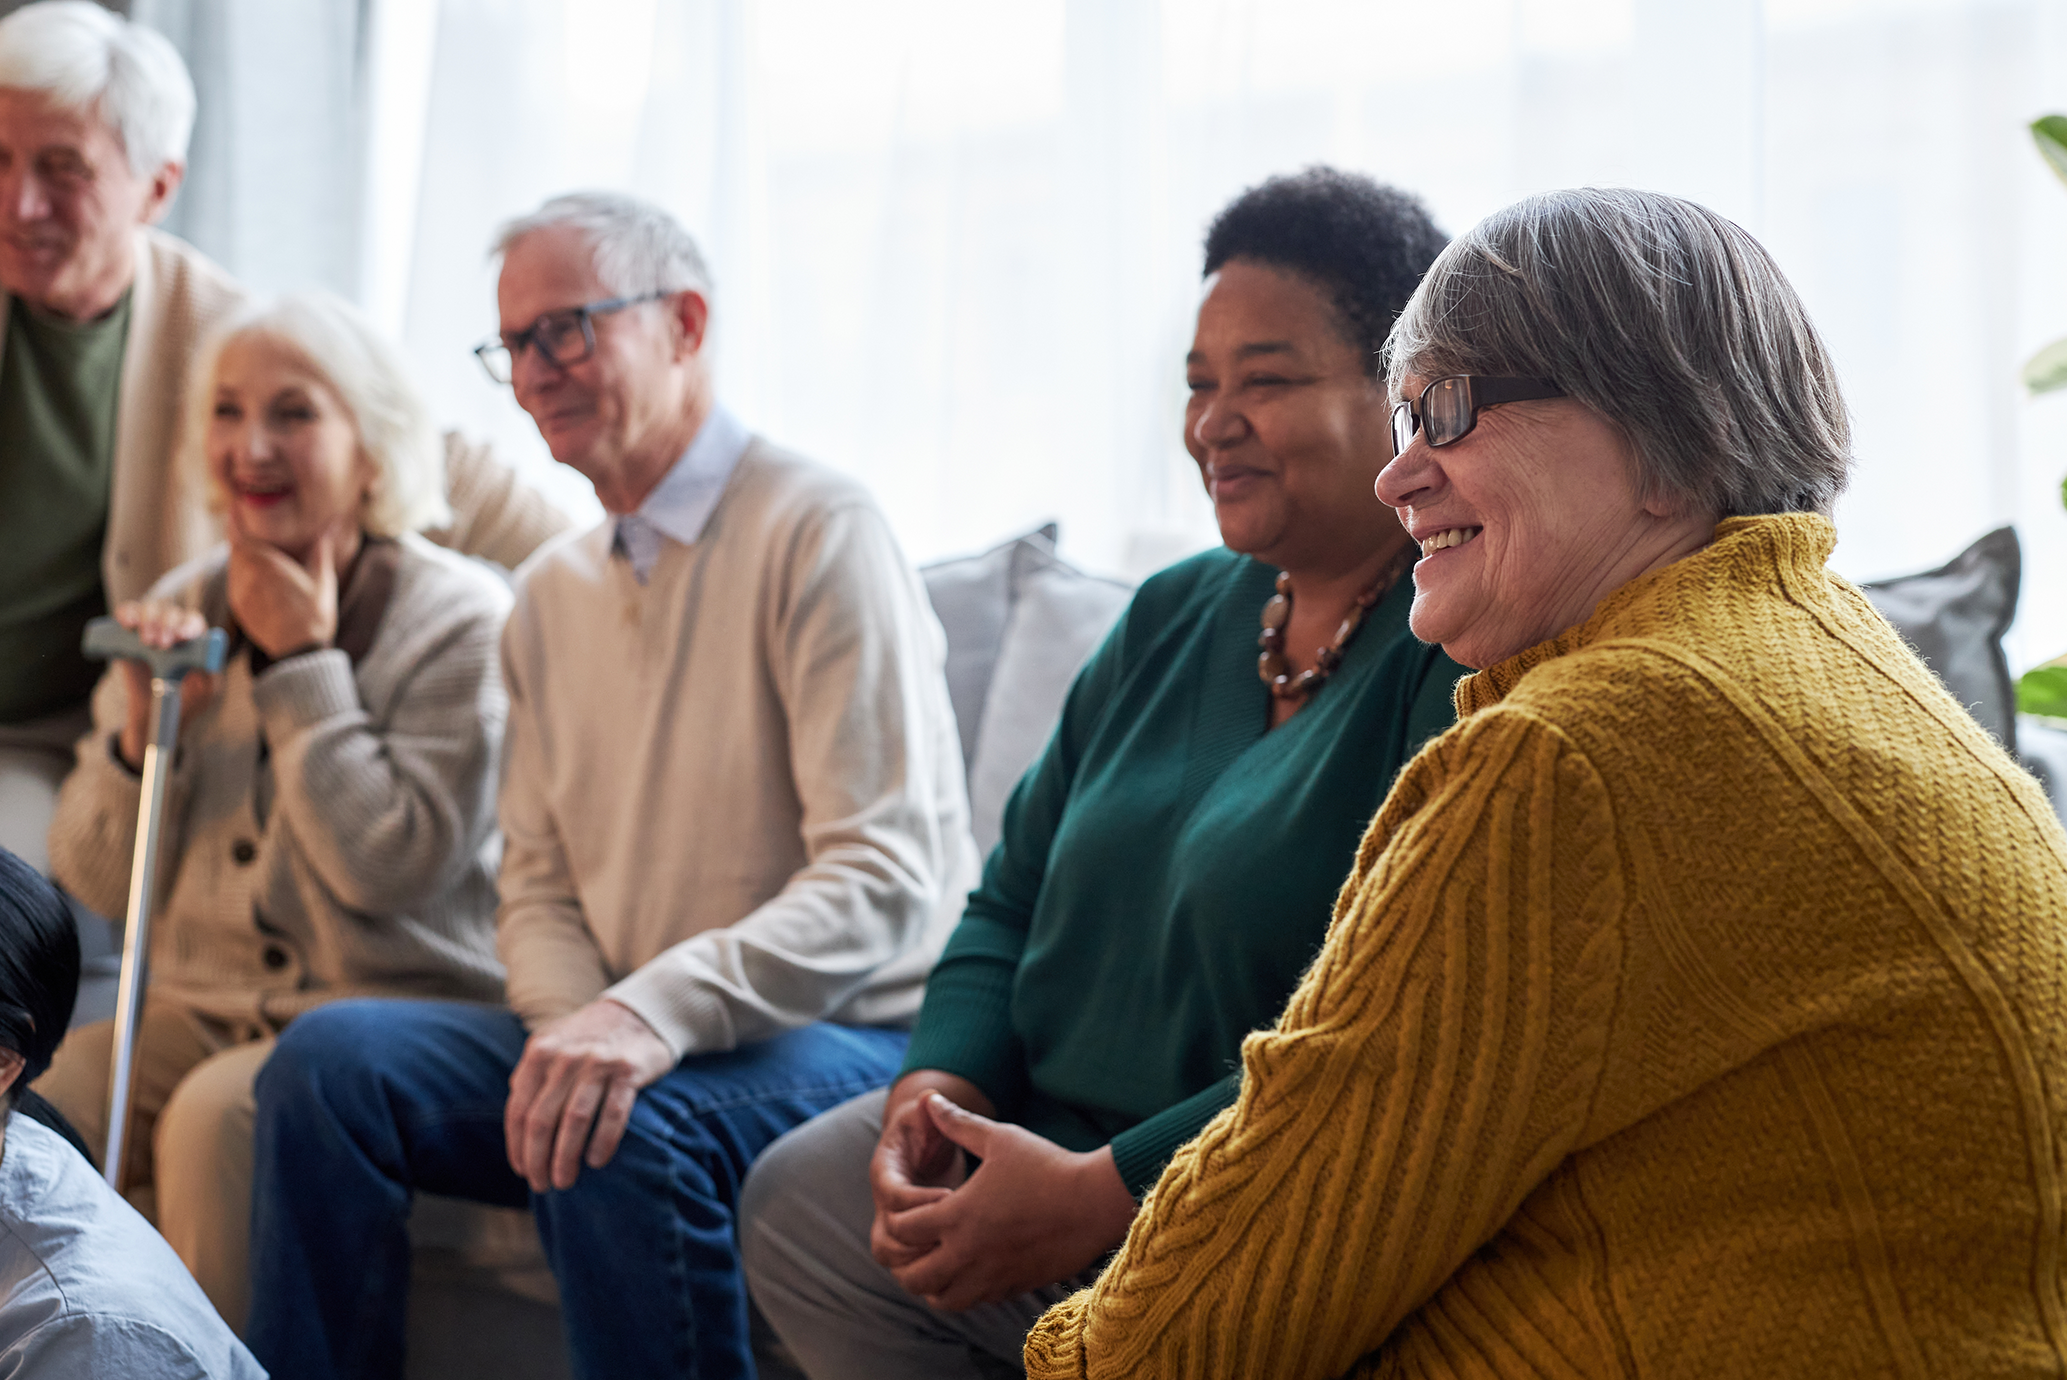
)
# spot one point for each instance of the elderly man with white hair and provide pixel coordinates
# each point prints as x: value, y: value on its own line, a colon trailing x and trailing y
x: 102, y: 315
x: 735, y: 837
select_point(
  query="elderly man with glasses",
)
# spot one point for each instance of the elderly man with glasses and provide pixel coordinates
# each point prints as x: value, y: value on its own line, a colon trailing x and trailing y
x: 735, y: 839
x: 102, y: 313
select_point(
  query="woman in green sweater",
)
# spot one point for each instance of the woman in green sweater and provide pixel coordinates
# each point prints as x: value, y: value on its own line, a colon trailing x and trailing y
x: 1168, y: 865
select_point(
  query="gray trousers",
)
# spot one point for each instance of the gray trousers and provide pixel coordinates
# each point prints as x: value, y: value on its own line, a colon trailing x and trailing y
x: 803, y: 1228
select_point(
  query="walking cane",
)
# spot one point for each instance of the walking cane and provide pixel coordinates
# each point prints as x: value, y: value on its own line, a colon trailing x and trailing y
x: 107, y: 640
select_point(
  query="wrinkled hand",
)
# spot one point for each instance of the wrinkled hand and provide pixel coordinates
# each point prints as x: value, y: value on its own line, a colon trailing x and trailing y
x: 574, y: 1089
x: 1032, y: 1214
x: 281, y: 604
x: 160, y: 624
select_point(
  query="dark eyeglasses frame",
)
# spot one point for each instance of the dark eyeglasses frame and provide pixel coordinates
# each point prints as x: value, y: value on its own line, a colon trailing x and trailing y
x: 499, y: 356
x: 1479, y: 391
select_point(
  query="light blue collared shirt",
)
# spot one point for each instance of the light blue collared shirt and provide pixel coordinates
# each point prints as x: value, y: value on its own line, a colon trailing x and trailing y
x: 681, y: 504
x: 86, y: 1287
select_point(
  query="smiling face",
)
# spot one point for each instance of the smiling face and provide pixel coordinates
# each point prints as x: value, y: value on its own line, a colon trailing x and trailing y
x: 1526, y: 524
x: 619, y: 415
x: 1287, y: 427
x: 69, y: 206
x: 282, y: 450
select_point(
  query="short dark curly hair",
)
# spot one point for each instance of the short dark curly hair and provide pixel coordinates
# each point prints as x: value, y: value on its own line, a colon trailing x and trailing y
x: 1363, y: 243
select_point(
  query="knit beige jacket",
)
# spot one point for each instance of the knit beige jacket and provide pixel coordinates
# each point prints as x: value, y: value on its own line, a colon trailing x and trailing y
x: 1695, y: 1009
x: 734, y: 796
x: 373, y: 868
x: 157, y: 517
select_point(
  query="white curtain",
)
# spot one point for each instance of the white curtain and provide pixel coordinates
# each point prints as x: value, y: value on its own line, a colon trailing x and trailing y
x: 957, y: 241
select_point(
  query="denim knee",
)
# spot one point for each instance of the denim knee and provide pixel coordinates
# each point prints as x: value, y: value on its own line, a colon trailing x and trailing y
x: 324, y: 1052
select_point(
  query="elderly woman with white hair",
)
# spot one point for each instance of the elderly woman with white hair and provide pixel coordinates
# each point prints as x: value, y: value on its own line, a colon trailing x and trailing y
x: 1694, y: 1006
x: 331, y: 827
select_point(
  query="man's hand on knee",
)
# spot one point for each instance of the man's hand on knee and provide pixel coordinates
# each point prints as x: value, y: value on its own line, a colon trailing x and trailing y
x: 573, y: 1091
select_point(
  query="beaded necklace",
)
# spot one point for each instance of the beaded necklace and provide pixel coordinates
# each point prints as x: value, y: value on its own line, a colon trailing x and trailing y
x: 1271, y: 666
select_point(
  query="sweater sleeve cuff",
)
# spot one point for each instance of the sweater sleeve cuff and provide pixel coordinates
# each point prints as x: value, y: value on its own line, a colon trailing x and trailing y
x: 1055, y: 1346
x: 1141, y: 1152
x: 306, y: 689
x: 688, y: 1018
x: 965, y: 1027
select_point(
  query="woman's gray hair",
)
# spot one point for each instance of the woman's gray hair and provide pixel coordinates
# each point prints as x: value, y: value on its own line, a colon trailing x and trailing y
x: 84, y: 58
x: 1664, y: 317
x: 369, y: 377
x: 637, y: 246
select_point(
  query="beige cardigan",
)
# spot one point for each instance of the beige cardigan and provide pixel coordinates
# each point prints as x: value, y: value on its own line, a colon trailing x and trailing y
x: 374, y: 867
x: 158, y: 519
x: 733, y: 797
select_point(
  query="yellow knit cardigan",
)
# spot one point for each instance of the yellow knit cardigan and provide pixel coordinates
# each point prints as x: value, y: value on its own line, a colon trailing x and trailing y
x: 1697, y: 1007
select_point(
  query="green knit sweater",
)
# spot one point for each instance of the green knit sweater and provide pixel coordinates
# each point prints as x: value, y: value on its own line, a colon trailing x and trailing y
x: 1168, y: 865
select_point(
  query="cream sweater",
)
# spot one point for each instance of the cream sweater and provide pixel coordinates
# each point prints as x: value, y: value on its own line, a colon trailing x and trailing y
x: 1695, y: 1009
x: 734, y: 797
x: 373, y: 868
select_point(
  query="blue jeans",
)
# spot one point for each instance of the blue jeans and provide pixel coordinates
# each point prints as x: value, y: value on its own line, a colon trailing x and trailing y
x: 364, y: 1102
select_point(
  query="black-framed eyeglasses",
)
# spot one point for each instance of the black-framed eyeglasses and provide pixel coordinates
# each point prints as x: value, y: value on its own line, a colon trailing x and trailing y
x: 1448, y: 408
x: 564, y: 337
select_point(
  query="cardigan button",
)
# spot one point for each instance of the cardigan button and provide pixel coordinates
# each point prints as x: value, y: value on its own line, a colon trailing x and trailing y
x: 275, y: 957
x: 243, y: 851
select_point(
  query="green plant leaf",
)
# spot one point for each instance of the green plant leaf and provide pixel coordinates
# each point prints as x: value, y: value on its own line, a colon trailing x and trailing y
x: 2043, y: 691
x: 2050, y: 133
x: 2046, y: 371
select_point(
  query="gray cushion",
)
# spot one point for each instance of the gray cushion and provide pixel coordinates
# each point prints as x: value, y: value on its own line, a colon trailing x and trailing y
x: 972, y: 597
x: 1020, y: 623
x: 1955, y: 617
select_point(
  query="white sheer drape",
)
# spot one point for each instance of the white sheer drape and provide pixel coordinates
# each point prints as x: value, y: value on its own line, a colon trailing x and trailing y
x: 957, y: 240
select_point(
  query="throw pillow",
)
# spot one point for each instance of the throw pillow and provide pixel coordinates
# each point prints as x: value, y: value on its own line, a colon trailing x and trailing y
x: 972, y: 596
x: 1059, y: 616
x: 1955, y: 617
x: 1020, y: 623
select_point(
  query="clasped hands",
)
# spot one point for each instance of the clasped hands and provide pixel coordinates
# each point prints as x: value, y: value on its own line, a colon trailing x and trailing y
x: 1030, y: 1215
x: 282, y: 605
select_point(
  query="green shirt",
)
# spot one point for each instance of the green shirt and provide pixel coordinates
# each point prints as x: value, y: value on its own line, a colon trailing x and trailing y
x: 1167, y: 867
x: 59, y: 384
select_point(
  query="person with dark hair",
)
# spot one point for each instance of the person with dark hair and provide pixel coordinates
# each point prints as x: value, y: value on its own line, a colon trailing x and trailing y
x: 1167, y: 865
x: 87, y: 1289
x: 1363, y: 244
x: 1693, y: 1007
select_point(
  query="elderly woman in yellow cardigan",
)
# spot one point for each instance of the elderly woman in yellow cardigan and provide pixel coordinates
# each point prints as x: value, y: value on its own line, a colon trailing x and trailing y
x: 1698, y: 1004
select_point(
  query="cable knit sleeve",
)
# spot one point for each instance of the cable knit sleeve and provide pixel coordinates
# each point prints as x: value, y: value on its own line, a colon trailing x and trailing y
x: 1435, y: 1064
